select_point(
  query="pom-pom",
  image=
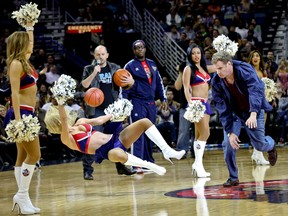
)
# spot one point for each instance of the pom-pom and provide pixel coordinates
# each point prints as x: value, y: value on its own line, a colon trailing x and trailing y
x: 195, y: 111
x: 120, y: 109
x: 224, y: 44
x: 27, y: 13
x: 23, y: 130
x: 270, y: 89
x: 64, y: 89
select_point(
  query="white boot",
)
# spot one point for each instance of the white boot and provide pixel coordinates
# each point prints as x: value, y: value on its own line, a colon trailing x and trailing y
x: 167, y: 151
x: 17, y: 174
x: 21, y: 198
x: 201, y: 202
x: 137, y: 162
x: 259, y: 158
x: 197, y: 167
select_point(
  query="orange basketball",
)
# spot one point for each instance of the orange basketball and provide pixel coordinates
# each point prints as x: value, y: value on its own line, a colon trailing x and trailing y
x: 94, y: 97
x: 117, y: 76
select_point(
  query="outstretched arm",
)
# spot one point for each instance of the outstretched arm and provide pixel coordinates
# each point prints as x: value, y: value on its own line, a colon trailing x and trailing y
x: 65, y: 135
x: 95, y: 121
x: 30, y: 29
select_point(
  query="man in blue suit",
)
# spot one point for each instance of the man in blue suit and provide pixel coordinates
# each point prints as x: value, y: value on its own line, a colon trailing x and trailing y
x: 147, y: 87
x: 240, y: 99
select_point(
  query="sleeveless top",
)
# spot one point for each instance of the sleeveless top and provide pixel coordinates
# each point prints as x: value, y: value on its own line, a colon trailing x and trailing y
x: 82, y: 139
x: 200, y: 78
x: 27, y: 80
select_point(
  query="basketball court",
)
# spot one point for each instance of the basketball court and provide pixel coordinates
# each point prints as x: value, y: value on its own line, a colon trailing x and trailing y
x: 61, y: 190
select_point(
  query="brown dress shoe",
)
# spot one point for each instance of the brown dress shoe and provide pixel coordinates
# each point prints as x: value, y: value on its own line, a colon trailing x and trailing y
x: 272, y: 156
x: 230, y: 183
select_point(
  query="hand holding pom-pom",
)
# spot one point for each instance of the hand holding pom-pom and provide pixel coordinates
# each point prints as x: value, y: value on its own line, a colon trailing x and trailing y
x: 64, y: 89
x: 195, y: 111
x: 270, y: 89
x: 120, y: 109
x: 28, y: 13
x: 23, y: 130
x: 223, y: 44
x: 61, y: 100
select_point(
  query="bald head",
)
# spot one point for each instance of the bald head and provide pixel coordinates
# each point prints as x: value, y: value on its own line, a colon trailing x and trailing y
x: 100, y: 48
x: 101, y: 55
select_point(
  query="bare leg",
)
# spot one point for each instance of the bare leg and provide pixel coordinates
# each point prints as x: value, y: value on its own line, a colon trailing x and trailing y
x: 21, y: 155
x: 33, y: 151
x: 117, y: 155
x: 132, y: 132
x: 202, y: 130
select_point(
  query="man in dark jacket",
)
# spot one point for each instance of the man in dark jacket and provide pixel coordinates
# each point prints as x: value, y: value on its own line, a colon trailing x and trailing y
x: 99, y: 74
x: 239, y: 97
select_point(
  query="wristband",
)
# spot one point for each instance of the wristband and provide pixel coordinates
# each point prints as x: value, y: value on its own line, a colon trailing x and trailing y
x: 29, y: 28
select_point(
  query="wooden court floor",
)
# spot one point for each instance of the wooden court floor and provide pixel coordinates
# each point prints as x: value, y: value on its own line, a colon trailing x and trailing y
x: 61, y: 190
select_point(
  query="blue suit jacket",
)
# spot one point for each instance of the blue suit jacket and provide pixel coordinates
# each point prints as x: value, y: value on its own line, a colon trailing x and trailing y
x: 141, y: 89
x: 248, y: 83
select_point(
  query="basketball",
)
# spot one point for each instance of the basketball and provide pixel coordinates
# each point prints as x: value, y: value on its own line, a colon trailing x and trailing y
x: 94, y: 97
x: 117, y: 76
